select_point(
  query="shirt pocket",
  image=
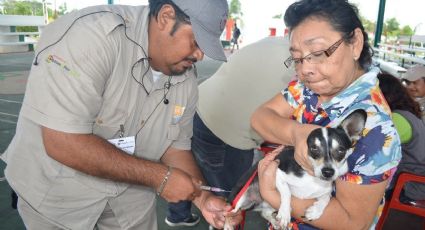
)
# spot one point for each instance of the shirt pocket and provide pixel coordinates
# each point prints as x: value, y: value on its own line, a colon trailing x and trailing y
x: 173, y: 132
x: 109, y: 127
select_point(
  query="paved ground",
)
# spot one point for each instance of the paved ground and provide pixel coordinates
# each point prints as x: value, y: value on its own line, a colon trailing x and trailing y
x: 13, y: 73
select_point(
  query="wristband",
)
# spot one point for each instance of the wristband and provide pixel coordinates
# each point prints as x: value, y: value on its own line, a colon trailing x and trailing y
x: 164, y: 182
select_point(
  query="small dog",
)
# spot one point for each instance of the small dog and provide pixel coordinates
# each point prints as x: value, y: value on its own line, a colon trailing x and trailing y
x: 328, y: 150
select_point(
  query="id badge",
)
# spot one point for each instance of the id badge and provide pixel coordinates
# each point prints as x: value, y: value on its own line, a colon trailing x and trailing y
x: 126, y: 144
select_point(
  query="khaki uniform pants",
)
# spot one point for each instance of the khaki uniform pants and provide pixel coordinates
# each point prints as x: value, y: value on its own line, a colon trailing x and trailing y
x: 33, y: 220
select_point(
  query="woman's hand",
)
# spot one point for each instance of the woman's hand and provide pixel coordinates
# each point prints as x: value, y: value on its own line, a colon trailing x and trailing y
x: 299, y: 140
x: 267, y: 177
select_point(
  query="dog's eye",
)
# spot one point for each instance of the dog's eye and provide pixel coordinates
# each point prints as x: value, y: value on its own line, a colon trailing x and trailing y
x: 314, y: 152
x: 341, y: 151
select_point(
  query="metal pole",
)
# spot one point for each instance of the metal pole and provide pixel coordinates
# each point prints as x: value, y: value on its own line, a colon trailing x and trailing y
x: 379, y: 23
x: 45, y: 13
x: 414, y: 31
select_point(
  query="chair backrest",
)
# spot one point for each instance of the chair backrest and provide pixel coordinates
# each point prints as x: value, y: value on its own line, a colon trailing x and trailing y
x: 395, y: 202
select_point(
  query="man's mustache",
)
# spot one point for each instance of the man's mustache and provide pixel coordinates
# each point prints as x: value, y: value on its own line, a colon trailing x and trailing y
x: 191, y: 59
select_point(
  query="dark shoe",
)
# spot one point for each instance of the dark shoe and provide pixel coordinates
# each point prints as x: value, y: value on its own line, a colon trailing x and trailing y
x: 191, y: 221
x: 14, y: 197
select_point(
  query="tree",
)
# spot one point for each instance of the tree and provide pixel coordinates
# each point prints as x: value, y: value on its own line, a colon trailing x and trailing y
x: 406, y: 30
x: 368, y: 25
x: 62, y: 9
x: 235, y: 9
x: 391, y: 28
x: 278, y: 16
x: 13, y: 7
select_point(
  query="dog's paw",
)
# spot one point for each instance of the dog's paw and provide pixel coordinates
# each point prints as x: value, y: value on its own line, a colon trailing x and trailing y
x: 274, y: 222
x: 227, y: 225
x: 313, y: 212
x: 284, y: 218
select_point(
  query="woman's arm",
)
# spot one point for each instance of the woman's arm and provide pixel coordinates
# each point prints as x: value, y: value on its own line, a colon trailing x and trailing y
x: 273, y: 122
x: 354, y: 206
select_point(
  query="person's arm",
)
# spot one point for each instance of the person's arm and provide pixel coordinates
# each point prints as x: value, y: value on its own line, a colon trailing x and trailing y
x: 272, y: 121
x: 403, y: 127
x: 354, y: 206
x: 213, y: 208
x: 95, y: 156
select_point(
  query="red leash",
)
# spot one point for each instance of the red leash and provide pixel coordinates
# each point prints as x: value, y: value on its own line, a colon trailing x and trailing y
x: 239, y: 195
x: 265, y: 148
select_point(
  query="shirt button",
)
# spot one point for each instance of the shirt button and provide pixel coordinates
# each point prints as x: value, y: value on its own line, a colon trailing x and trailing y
x: 99, y: 121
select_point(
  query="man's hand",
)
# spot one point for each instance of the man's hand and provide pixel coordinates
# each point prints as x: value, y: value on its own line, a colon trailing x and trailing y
x: 215, y: 210
x: 180, y: 186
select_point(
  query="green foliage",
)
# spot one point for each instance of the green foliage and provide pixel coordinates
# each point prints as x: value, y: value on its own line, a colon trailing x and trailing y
x: 391, y: 27
x: 13, y: 7
x: 62, y: 9
x: 406, y: 30
x: 235, y: 9
x: 368, y: 25
x: 278, y: 16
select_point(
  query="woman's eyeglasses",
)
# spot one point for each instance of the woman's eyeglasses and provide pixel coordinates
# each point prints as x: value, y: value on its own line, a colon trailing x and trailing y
x: 314, y: 57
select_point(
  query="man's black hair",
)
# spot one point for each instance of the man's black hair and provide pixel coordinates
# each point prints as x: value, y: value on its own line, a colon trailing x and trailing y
x: 341, y: 15
x: 181, y: 18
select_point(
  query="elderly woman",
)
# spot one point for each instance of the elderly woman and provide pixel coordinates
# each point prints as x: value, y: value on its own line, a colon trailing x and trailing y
x: 331, y: 56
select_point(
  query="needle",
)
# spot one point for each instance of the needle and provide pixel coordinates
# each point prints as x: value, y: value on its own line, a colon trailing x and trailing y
x: 212, y: 189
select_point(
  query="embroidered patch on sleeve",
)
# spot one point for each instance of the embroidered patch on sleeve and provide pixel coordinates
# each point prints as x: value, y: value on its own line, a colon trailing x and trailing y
x: 62, y: 64
x: 178, y: 113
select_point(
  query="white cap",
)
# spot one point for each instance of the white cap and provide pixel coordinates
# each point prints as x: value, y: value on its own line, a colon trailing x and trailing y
x: 414, y: 73
x: 208, y: 19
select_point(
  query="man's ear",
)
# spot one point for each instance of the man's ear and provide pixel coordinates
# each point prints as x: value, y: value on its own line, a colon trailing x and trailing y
x: 354, y: 124
x: 166, y: 16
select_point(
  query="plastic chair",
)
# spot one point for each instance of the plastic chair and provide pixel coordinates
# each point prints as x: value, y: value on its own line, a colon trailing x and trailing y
x: 395, y: 203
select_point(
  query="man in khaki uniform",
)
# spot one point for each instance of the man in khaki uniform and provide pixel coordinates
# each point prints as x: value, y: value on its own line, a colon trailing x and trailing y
x: 107, y: 116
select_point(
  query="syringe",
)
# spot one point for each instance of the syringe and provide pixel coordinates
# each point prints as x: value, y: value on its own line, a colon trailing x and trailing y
x: 212, y: 189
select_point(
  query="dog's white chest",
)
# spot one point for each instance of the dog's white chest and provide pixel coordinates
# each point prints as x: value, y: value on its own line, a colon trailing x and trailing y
x: 305, y: 187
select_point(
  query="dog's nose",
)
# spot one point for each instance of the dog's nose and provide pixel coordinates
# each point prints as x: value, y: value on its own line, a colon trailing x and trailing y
x: 328, y: 172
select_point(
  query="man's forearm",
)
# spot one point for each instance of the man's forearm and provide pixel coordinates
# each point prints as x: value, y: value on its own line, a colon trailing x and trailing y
x: 97, y: 157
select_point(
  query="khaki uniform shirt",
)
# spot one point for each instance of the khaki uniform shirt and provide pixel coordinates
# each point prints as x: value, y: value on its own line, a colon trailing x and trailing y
x: 85, y: 84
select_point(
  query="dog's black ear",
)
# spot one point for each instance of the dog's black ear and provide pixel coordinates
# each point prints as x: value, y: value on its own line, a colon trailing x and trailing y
x: 354, y: 124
